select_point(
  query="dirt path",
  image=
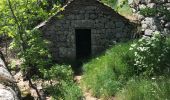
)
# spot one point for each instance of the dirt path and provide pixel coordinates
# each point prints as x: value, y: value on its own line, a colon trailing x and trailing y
x: 87, y: 95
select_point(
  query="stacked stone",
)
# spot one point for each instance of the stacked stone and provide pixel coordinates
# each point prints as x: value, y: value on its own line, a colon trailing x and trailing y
x: 107, y: 27
x: 154, y: 23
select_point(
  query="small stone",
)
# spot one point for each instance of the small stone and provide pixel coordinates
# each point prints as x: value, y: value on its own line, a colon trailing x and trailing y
x: 166, y: 31
x: 151, y: 5
x: 134, y: 10
x: 144, y: 26
x: 167, y: 25
x: 130, y: 1
x: 142, y: 6
x: 141, y: 17
x: 148, y: 32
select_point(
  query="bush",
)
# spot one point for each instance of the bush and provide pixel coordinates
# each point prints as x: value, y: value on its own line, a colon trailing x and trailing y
x: 148, y: 11
x: 63, y: 87
x: 37, y: 61
x: 151, y: 12
x: 114, y: 72
x: 151, y: 55
x: 64, y: 91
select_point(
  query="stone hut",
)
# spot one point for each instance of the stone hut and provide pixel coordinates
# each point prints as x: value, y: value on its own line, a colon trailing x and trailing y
x: 84, y: 28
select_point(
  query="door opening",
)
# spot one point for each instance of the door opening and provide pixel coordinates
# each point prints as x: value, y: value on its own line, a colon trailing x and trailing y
x: 83, y: 43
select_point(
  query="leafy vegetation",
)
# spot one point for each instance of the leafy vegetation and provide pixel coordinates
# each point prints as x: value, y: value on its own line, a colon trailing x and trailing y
x: 151, y: 55
x: 148, y: 11
x: 121, y: 6
x: 19, y: 17
x: 64, y: 88
x: 144, y: 89
x: 136, y: 74
x: 105, y: 75
x: 161, y: 11
x: 141, y: 73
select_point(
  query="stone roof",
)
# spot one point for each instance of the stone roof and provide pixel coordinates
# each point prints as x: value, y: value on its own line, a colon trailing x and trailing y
x: 70, y: 4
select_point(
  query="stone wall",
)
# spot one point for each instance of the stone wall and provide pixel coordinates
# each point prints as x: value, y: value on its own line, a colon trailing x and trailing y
x: 107, y: 27
x: 154, y: 23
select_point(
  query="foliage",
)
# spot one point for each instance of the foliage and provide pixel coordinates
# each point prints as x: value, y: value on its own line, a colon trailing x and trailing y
x: 18, y: 18
x: 143, y: 89
x: 105, y: 75
x: 148, y: 11
x: 65, y: 88
x: 161, y: 11
x: 121, y: 6
x: 37, y: 58
x: 36, y: 55
x: 64, y: 91
x: 119, y: 71
x: 58, y: 72
x: 151, y: 55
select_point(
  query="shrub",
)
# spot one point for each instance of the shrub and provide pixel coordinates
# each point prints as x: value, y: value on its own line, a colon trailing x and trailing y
x: 148, y: 11
x: 65, y: 91
x: 151, y: 55
x: 161, y: 11
x: 63, y: 87
x: 37, y: 61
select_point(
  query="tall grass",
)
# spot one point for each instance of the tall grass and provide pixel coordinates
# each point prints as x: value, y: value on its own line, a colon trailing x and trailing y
x: 113, y: 74
x: 104, y: 75
x: 143, y: 89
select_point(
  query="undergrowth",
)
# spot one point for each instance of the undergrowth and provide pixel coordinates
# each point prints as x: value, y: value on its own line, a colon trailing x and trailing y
x: 127, y: 74
x: 144, y: 89
x: 105, y: 75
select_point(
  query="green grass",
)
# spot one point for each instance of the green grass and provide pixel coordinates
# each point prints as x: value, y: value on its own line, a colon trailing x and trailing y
x: 143, y: 89
x: 113, y: 74
x: 104, y: 75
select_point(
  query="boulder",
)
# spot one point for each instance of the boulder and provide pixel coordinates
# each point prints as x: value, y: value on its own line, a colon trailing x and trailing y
x: 8, y: 87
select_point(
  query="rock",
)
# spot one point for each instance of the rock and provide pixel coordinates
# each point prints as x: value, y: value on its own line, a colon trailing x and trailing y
x: 166, y: 31
x: 144, y: 26
x: 7, y: 93
x: 142, y: 6
x: 5, y: 76
x: 130, y: 2
x: 148, y: 32
x: 142, y: 1
x: 167, y: 25
x: 151, y: 5
x: 2, y: 62
x: 154, y: 23
x: 8, y: 87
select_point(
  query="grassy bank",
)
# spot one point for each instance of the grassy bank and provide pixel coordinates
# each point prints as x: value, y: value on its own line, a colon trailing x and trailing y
x: 114, y: 74
x: 105, y: 75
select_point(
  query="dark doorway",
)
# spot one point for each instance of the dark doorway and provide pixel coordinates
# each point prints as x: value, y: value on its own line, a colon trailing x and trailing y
x: 83, y: 43
x: 83, y: 49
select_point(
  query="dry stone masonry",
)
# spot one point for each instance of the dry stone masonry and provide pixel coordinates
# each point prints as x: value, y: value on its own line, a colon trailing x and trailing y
x: 159, y: 22
x: 107, y: 27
